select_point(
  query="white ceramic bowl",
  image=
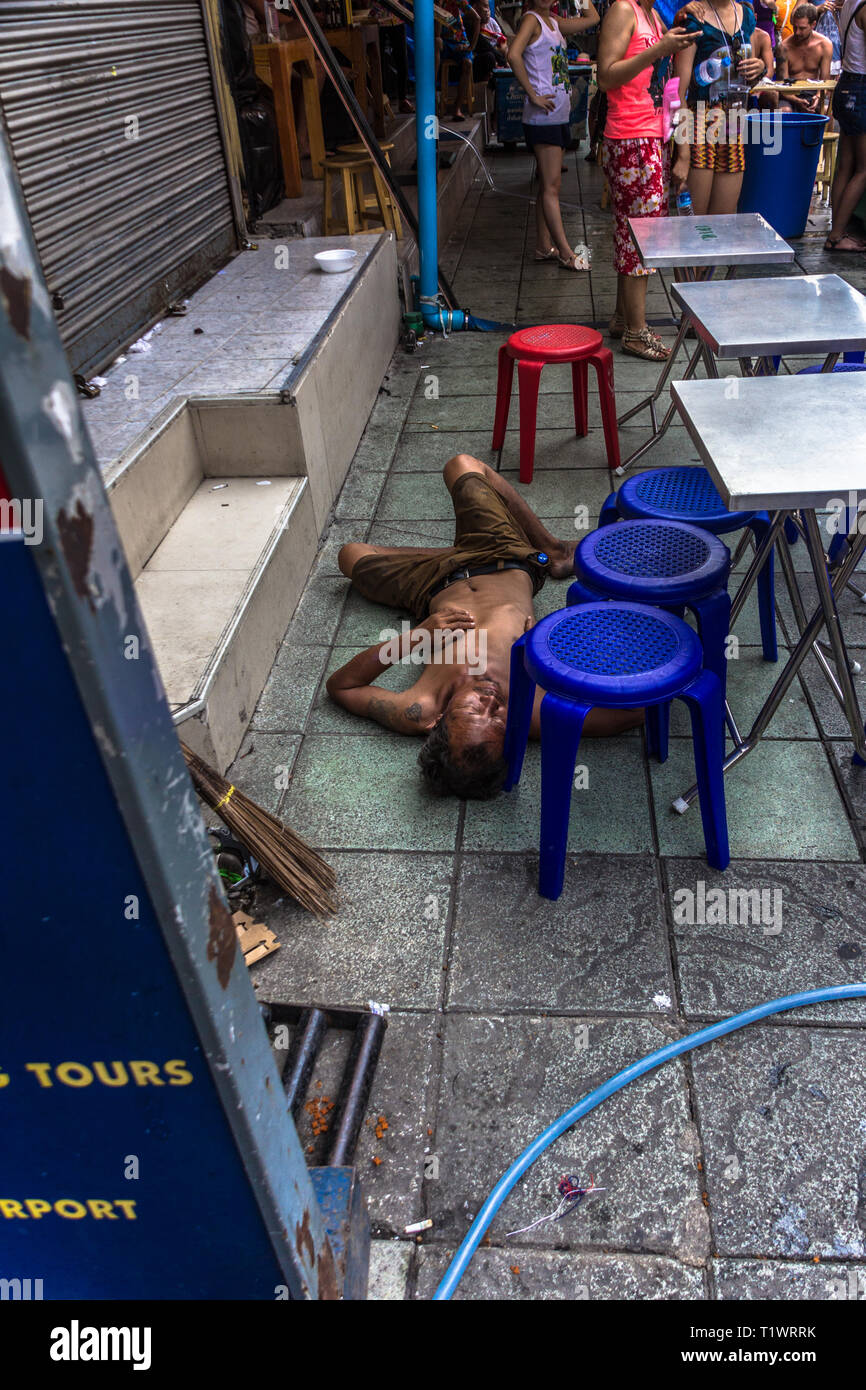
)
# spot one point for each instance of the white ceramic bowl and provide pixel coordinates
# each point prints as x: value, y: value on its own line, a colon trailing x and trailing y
x: 334, y: 262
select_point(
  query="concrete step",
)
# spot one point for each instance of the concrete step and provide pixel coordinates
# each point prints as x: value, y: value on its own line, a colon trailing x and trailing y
x: 220, y: 562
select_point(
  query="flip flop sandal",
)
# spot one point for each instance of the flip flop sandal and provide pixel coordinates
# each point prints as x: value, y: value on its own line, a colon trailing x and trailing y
x: 564, y: 265
x: 552, y: 255
x: 646, y: 345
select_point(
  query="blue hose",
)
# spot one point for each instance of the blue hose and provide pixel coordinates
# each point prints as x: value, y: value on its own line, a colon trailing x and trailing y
x: 493, y: 1202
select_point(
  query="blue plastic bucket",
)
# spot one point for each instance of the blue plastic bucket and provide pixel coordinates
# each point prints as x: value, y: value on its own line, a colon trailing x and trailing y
x: 782, y: 152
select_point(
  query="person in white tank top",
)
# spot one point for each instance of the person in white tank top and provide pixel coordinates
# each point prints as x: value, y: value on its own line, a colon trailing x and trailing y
x: 849, y: 110
x: 538, y: 58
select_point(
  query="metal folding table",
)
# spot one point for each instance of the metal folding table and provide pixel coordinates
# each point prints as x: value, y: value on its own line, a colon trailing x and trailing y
x: 788, y: 470
x: 697, y: 244
x: 780, y: 316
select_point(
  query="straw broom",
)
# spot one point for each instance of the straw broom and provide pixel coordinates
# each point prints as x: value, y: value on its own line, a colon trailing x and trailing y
x: 286, y: 858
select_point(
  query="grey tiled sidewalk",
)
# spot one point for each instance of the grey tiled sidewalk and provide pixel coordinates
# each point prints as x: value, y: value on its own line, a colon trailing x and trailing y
x: 737, y: 1172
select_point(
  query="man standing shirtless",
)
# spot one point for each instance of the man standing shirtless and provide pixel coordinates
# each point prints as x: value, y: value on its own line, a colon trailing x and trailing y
x: 805, y: 55
x: 483, y: 584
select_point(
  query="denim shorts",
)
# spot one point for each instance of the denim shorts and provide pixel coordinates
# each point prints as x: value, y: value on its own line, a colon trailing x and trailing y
x: 849, y: 103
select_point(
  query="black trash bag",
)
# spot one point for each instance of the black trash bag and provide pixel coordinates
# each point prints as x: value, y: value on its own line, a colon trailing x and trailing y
x: 238, y: 52
x: 257, y: 125
x: 262, y: 161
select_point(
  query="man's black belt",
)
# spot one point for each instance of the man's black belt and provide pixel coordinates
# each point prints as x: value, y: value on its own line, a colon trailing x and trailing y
x: 494, y: 568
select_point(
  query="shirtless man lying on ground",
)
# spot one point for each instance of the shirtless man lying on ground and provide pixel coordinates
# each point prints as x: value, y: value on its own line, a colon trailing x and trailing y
x: 481, y: 587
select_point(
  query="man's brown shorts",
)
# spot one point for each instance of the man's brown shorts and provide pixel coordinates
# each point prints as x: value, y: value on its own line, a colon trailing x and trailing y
x: 485, y: 532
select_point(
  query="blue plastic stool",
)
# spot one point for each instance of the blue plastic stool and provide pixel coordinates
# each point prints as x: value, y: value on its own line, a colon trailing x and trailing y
x: 668, y: 565
x: 617, y: 656
x: 690, y: 495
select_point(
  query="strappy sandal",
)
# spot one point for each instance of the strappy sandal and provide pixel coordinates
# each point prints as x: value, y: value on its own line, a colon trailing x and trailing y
x: 645, y: 344
x: 552, y: 255
x: 616, y: 327
x: 570, y: 265
x: 837, y: 247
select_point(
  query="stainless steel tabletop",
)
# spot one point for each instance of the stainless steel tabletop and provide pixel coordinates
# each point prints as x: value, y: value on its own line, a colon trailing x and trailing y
x: 732, y: 238
x: 779, y: 441
x: 779, y: 314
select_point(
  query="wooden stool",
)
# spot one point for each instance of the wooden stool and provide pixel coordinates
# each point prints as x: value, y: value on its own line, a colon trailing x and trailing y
x: 275, y: 63
x: 350, y: 169
x: 360, y: 44
x: 372, y: 200
x: 827, y: 164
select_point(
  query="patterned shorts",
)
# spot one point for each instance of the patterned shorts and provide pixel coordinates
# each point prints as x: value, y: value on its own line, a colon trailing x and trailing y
x: 637, y: 174
x: 712, y: 148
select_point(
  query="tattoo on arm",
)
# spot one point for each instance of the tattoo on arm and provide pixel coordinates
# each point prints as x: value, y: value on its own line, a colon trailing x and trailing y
x: 384, y: 712
x: 390, y: 714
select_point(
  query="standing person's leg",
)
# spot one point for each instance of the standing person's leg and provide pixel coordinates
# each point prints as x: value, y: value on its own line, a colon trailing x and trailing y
x: 700, y: 185
x: 549, y: 160
x: 725, y: 194
x: 730, y: 165
x: 849, y: 184
x: 465, y: 92
x: 700, y: 180
x: 635, y: 171
x: 544, y: 244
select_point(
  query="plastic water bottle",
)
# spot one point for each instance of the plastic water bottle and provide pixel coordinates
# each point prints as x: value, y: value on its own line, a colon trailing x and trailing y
x: 711, y: 69
x: 684, y: 203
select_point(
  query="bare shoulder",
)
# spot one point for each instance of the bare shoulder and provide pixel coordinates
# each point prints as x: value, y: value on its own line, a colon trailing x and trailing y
x: 530, y: 25
x: 619, y: 18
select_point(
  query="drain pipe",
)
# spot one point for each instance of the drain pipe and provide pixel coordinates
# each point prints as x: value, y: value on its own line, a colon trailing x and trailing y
x: 431, y: 305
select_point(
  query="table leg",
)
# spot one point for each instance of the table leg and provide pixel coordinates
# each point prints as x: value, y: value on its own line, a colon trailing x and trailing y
x: 834, y: 630
x: 758, y: 561
x: 783, y: 551
x: 667, y: 368
x: 687, y: 273
x: 281, y: 77
x: 824, y: 615
x: 668, y: 416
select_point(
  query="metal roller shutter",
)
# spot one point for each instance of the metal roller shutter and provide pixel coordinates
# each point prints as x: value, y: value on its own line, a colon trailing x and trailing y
x: 110, y: 111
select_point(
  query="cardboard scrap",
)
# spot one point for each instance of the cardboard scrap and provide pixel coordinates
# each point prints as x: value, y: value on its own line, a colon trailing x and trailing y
x: 256, y: 940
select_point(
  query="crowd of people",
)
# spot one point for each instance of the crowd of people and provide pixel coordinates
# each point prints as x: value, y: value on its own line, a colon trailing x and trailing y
x: 709, y: 64
x: 644, y: 68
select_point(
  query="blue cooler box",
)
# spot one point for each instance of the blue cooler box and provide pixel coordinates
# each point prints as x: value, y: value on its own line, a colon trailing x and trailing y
x: 510, y: 98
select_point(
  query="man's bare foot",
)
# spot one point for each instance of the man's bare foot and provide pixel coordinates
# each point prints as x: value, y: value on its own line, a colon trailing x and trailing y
x: 562, y: 560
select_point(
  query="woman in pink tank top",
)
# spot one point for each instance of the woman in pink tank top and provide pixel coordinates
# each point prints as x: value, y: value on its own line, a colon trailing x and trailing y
x: 633, y: 54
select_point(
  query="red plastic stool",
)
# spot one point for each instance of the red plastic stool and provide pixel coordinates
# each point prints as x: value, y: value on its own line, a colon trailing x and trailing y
x: 533, y: 348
